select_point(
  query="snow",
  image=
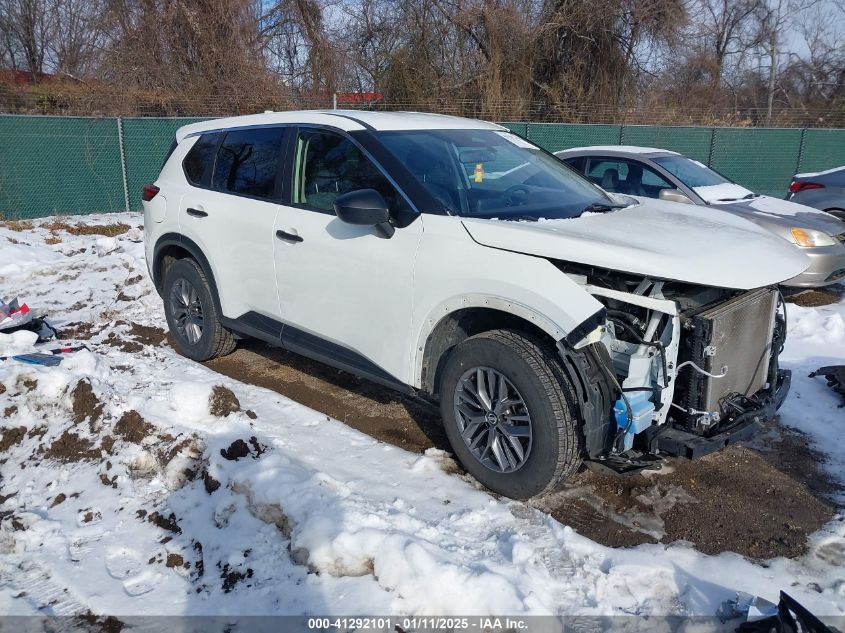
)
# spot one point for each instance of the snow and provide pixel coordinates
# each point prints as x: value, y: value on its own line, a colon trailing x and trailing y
x: 724, y: 192
x: 309, y: 516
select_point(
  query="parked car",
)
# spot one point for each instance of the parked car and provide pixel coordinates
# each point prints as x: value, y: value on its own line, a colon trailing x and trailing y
x: 658, y: 173
x: 823, y: 190
x: 452, y: 260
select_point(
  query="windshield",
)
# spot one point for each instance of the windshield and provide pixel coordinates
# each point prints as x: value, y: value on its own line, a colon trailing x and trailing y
x: 691, y: 172
x: 493, y: 174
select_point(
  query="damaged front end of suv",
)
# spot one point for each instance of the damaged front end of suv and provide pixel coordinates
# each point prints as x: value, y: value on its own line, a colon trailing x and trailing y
x: 693, y: 368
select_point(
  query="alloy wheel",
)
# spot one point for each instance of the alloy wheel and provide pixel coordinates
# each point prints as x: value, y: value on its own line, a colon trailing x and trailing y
x: 493, y: 419
x: 186, y: 309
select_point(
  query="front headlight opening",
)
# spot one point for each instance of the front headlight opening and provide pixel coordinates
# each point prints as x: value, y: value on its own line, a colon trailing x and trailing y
x: 808, y: 238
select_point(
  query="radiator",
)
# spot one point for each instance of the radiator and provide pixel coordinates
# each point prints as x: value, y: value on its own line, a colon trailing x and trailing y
x: 736, y: 334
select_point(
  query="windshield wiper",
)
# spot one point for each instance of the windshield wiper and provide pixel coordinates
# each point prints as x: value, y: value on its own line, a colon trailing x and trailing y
x: 521, y: 218
x: 601, y: 207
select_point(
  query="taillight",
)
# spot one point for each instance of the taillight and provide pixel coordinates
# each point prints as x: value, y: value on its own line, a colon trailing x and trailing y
x: 149, y: 193
x: 797, y: 186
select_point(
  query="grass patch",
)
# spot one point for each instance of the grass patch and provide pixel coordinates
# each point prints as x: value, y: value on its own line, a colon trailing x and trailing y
x: 110, y: 230
x: 17, y: 225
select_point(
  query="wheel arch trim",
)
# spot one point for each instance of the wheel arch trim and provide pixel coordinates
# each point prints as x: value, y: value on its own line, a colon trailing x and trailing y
x: 191, y: 247
x: 449, y: 307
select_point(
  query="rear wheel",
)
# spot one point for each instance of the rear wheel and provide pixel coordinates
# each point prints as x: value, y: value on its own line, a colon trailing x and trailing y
x: 191, y: 316
x: 508, y: 413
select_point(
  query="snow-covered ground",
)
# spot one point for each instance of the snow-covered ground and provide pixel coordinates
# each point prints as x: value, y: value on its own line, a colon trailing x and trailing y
x: 131, y: 483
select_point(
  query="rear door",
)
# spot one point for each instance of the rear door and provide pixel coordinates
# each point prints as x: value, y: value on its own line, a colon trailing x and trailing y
x: 231, y: 216
x: 346, y: 293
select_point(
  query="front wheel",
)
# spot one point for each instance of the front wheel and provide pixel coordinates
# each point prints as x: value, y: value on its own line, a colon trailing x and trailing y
x: 507, y: 412
x: 191, y: 315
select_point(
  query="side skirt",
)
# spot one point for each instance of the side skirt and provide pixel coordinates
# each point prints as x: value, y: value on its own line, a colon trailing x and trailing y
x: 295, y: 340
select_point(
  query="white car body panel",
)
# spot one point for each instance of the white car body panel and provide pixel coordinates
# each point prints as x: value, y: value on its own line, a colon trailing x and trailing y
x: 454, y: 272
x: 161, y: 219
x: 237, y: 238
x: 625, y: 240
x: 348, y: 286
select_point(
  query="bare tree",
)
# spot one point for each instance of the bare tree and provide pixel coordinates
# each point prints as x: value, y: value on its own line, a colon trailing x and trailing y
x: 79, y: 35
x: 723, y: 31
x: 202, y: 51
x: 27, y: 30
x: 297, y: 45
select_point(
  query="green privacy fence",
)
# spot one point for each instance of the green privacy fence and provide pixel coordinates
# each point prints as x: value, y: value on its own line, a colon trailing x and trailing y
x: 761, y: 159
x: 71, y: 165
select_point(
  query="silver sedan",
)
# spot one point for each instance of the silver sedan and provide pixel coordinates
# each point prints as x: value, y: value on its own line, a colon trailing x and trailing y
x: 658, y: 173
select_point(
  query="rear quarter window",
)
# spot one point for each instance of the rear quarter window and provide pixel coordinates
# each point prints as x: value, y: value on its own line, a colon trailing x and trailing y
x: 200, y: 160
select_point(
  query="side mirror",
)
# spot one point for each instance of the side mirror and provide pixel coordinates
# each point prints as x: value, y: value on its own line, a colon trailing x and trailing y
x: 365, y: 207
x: 674, y: 195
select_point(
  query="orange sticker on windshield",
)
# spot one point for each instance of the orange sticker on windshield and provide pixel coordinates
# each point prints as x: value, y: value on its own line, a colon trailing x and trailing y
x: 478, y: 172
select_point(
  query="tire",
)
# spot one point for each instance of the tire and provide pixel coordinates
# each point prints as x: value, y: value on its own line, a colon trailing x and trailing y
x: 186, y: 291
x: 531, y: 368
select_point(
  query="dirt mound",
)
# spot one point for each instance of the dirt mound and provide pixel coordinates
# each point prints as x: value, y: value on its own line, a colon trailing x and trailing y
x: 728, y: 501
x: 26, y: 384
x: 818, y: 296
x: 128, y: 346
x: 146, y: 334
x: 11, y: 437
x: 210, y: 483
x: 81, y: 331
x: 133, y: 428
x: 168, y: 523
x: 236, y: 450
x: 223, y: 402
x: 231, y: 577
x: 85, y: 403
x: 239, y: 448
x: 69, y: 447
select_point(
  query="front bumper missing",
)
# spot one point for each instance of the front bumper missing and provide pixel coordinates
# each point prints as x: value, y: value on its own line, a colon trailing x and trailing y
x: 677, y: 441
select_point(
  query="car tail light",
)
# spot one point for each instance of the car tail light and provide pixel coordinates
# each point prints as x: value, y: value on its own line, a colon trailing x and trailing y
x: 149, y: 193
x: 797, y: 186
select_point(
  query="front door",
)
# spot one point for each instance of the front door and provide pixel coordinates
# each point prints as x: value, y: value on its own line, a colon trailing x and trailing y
x: 345, y: 292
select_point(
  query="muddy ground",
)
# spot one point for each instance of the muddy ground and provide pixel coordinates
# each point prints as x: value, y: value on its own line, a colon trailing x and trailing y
x: 761, y: 500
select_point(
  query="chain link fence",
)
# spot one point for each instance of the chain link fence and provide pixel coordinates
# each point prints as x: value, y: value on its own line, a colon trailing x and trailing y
x: 75, y: 165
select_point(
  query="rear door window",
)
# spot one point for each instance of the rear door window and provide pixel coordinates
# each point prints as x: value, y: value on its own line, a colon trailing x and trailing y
x: 200, y: 159
x: 248, y: 163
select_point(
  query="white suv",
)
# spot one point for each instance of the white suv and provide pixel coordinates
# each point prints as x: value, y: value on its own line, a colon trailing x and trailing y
x: 554, y: 323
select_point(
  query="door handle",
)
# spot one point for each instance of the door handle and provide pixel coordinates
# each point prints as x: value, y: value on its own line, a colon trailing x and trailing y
x: 288, y: 237
x: 197, y: 213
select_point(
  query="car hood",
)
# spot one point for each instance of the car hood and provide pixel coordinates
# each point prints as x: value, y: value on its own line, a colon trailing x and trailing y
x: 657, y: 239
x: 770, y: 212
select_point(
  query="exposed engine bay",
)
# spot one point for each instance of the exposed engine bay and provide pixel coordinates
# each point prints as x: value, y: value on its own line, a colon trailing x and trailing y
x: 693, y: 368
